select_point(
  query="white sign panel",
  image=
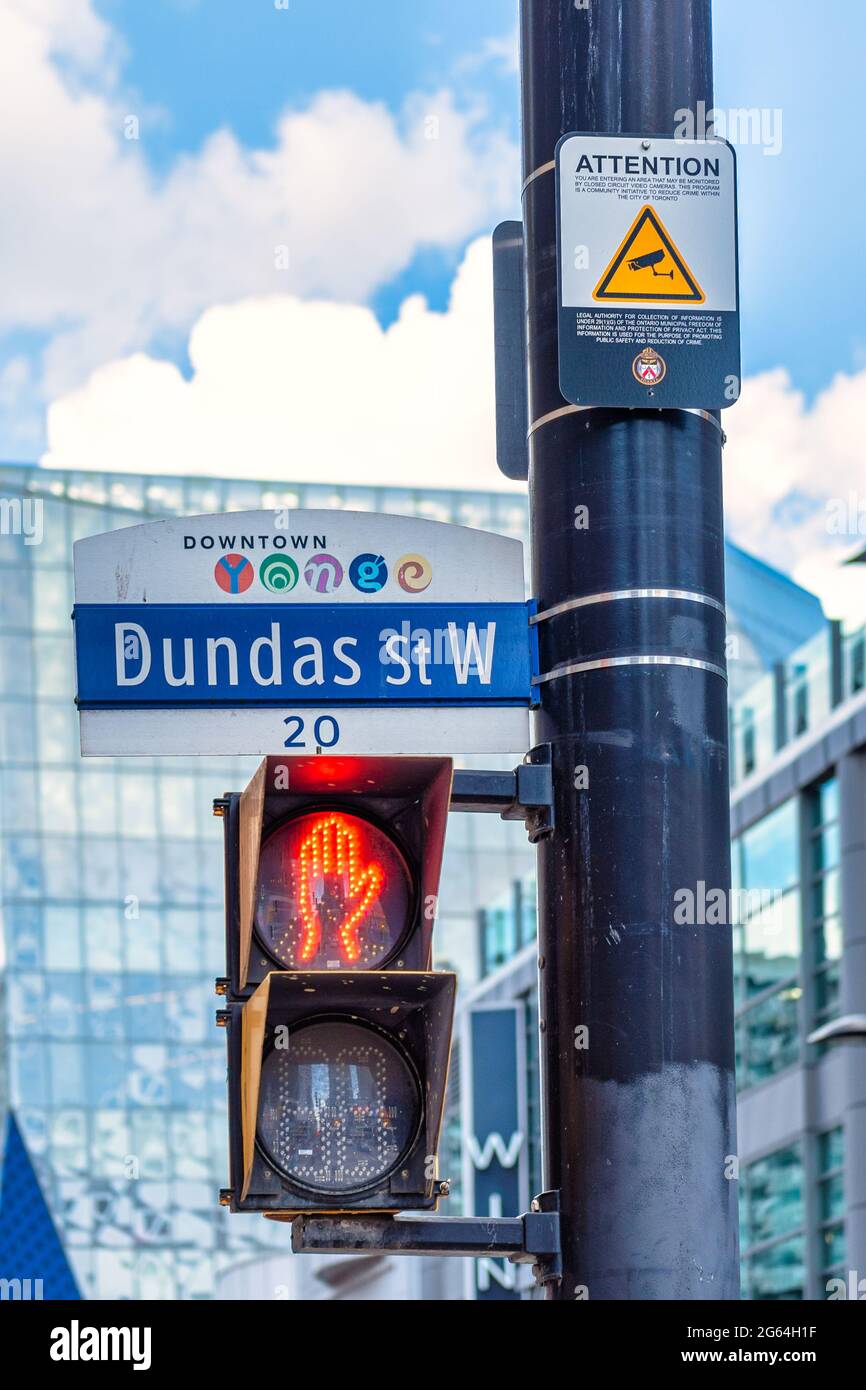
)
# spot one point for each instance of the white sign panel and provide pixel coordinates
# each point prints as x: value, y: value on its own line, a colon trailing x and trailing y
x: 264, y: 632
x: 648, y: 271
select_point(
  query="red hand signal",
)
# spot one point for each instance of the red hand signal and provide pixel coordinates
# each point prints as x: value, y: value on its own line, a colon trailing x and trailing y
x: 332, y: 848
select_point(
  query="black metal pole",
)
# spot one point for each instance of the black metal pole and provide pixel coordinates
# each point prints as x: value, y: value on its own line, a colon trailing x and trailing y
x: 636, y: 1009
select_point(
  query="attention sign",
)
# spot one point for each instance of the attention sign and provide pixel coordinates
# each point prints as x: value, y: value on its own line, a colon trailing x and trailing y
x: 649, y: 309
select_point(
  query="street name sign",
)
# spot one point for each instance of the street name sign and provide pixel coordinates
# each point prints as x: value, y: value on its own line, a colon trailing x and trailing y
x: 648, y: 275
x: 259, y: 632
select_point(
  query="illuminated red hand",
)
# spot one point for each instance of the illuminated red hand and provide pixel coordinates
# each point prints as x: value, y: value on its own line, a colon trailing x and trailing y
x: 331, y: 849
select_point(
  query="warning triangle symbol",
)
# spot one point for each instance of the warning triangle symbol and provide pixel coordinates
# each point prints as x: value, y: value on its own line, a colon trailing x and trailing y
x: 649, y: 267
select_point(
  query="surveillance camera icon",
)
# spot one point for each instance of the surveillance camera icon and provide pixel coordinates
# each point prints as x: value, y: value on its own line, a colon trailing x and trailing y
x: 649, y: 261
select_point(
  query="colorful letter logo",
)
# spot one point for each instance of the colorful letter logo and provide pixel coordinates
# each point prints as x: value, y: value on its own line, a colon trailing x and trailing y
x: 369, y: 573
x: 414, y: 574
x: 234, y: 573
x: 323, y: 573
x: 279, y: 573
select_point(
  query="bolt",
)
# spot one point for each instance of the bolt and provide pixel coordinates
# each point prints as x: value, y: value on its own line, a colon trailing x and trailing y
x: 646, y: 144
x: 445, y: 1188
x: 535, y: 1205
x: 541, y: 962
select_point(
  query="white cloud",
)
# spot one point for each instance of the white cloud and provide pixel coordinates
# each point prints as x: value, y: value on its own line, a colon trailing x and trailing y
x: 300, y: 390
x: 503, y: 51
x: 106, y: 256
x: 304, y: 390
x: 98, y: 251
x: 795, y: 482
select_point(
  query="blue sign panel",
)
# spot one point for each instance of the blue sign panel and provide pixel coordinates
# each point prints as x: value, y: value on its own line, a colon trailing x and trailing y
x: 494, y: 1124
x: 216, y: 655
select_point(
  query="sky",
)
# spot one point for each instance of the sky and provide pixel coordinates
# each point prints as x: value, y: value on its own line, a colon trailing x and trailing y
x: 252, y: 237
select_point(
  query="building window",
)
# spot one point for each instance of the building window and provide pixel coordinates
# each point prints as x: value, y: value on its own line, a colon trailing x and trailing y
x: 800, y: 699
x: 857, y: 650
x: 831, y: 1204
x: 766, y: 924
x: 498, y: 937
x: 772, y: 1217
x: 823, y: 898
x: 508, y: 926
x: 527, y: 909
x: 749, y: 758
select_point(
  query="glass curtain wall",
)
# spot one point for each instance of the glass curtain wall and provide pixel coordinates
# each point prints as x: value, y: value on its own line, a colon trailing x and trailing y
x: 112, y: 912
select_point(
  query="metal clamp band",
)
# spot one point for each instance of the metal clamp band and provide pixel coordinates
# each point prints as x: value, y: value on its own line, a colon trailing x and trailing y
x: 687, y: 595
x: 579, y: 409
x: 577, y: 668
x: 536, y: 174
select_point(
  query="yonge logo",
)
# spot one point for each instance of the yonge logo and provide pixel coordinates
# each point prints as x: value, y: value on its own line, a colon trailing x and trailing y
x: 323, y: 572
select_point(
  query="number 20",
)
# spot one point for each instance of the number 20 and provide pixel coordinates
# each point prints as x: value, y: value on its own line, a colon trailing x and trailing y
x: 326, y: 731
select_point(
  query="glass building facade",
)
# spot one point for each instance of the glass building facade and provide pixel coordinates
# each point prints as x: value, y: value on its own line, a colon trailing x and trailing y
x: 774, y: 1218
x: 799, y: 885
x: 112, y: 913
x: 111, y: 892
x: 772, y: 1224
x: 795, y: 697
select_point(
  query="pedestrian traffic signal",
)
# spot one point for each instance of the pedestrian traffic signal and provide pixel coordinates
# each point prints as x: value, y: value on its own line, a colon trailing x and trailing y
x: 339, y: 1034
x: 333, y: 864
x: 363, y: 910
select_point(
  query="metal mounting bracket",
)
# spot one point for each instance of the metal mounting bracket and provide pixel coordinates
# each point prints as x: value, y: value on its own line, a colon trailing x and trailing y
x: 533, y: 1238
x: 524, y: 794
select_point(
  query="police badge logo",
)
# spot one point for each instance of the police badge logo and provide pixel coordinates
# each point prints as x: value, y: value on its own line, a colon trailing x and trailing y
x: 649, y: 367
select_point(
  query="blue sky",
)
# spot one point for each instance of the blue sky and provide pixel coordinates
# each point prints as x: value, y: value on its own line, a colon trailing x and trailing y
x: 238, y: 61
x: 801, y: 213
x: 284, y: 226
x: 191, y: 68
x: 208, y: 63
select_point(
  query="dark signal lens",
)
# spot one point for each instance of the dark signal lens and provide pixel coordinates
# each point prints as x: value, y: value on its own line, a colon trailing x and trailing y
x: 339, y: 1106
x: 334, y: 893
